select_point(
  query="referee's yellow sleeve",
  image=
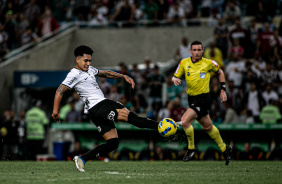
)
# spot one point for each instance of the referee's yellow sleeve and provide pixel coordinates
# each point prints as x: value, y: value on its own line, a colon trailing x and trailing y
x: 179, y: 70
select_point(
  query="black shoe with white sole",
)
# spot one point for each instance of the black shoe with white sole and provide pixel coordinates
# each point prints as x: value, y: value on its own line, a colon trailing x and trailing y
x: 189, y: 154
x: 227, y: 154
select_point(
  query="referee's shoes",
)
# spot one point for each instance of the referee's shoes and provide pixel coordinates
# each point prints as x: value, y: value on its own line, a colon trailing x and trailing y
x: 227, y: 154
x: 189, y: 154
x: 79, y: 163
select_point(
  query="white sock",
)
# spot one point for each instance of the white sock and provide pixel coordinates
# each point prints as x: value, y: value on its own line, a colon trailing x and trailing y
x: 179, y: 123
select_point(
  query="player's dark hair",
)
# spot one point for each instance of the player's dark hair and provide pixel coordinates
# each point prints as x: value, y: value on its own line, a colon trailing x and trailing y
x: 196, y: 43
x: 82, y: 49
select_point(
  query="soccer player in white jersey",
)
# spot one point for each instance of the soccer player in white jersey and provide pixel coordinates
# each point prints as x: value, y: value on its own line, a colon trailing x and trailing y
x: 102, y: 112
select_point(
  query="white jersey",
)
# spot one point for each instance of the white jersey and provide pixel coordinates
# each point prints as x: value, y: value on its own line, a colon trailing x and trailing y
x: 84, y: 82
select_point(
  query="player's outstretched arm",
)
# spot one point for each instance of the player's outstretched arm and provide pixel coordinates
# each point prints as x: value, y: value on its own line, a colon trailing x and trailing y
x: 221, y: 78
x: 114, y: 75
x: 57, y: 100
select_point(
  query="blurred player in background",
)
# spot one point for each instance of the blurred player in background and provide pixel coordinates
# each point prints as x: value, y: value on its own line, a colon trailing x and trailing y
x: 36, y: 124
x: 102, y: 112
x: 197, y: 75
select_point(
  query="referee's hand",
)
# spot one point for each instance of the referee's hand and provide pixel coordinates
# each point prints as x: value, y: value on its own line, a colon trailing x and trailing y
x: 223, y: 96
x: 176, y: 81
x: 56, y: 117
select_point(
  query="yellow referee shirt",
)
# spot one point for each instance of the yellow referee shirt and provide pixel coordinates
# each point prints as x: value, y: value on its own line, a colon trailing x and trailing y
x: 197, y: 75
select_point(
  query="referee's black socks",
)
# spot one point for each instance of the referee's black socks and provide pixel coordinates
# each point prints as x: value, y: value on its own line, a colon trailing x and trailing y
x: 101, y: 150
x: 142, y: 122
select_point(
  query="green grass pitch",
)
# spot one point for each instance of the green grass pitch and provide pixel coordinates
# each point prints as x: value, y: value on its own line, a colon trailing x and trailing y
x: 133, y: 172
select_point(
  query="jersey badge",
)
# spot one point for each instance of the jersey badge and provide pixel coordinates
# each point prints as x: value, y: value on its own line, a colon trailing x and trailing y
x: 198, y: 108
x: 91, y: 74
x: 99, y: 129
x: 188, y: 73
x: 202, y: 75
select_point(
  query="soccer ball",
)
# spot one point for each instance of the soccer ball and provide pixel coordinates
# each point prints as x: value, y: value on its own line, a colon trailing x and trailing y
x: 167, y: 127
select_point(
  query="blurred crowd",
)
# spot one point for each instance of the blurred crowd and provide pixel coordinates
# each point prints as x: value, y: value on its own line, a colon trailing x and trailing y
x: 250, y: 56
x: 24, y: 21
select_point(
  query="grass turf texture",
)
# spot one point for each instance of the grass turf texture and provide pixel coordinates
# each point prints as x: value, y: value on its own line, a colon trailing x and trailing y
x: 13, y: 172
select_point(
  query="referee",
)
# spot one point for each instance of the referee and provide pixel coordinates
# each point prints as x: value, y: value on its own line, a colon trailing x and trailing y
x: 102, y: 112
x: 197, y: 75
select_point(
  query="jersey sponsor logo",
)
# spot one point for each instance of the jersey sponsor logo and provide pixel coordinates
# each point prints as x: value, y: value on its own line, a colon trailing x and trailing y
x: 215, y: 64
x: 111, y: 115
x: 198, y: 108
x: 99, y: 129
x: 72, y: 80
x: 202, y: 75
x: 86, y: 78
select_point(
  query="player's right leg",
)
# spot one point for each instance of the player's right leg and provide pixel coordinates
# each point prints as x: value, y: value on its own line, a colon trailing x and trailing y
x: 187, y: 118
x: 140, y: 122
x: 115, y: 111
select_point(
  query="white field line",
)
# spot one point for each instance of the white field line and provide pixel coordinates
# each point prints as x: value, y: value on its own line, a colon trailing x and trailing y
x: 132, y: 174
x: 52, y: 180
x: 107, y: 172
x: 88, y: 178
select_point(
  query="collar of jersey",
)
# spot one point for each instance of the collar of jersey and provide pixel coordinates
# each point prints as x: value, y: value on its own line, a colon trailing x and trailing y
x: 196, y: 61
x: 80, y: 70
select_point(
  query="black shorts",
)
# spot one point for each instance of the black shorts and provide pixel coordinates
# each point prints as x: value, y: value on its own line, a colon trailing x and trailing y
x: 104, y: 114
x: 200, y: 104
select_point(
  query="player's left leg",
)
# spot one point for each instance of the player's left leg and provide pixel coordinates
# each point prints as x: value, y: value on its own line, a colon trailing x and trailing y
x: 212, y: 131
x: 140, y: 122
x: 112, y: 143
x: 215, y: 135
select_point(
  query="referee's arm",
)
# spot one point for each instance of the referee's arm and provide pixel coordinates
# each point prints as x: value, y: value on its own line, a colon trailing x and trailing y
x: 221, y: 78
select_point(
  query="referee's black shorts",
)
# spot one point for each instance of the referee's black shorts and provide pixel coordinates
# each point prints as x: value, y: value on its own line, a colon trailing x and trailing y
x: 104, y: 114
x: 200, y: 104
